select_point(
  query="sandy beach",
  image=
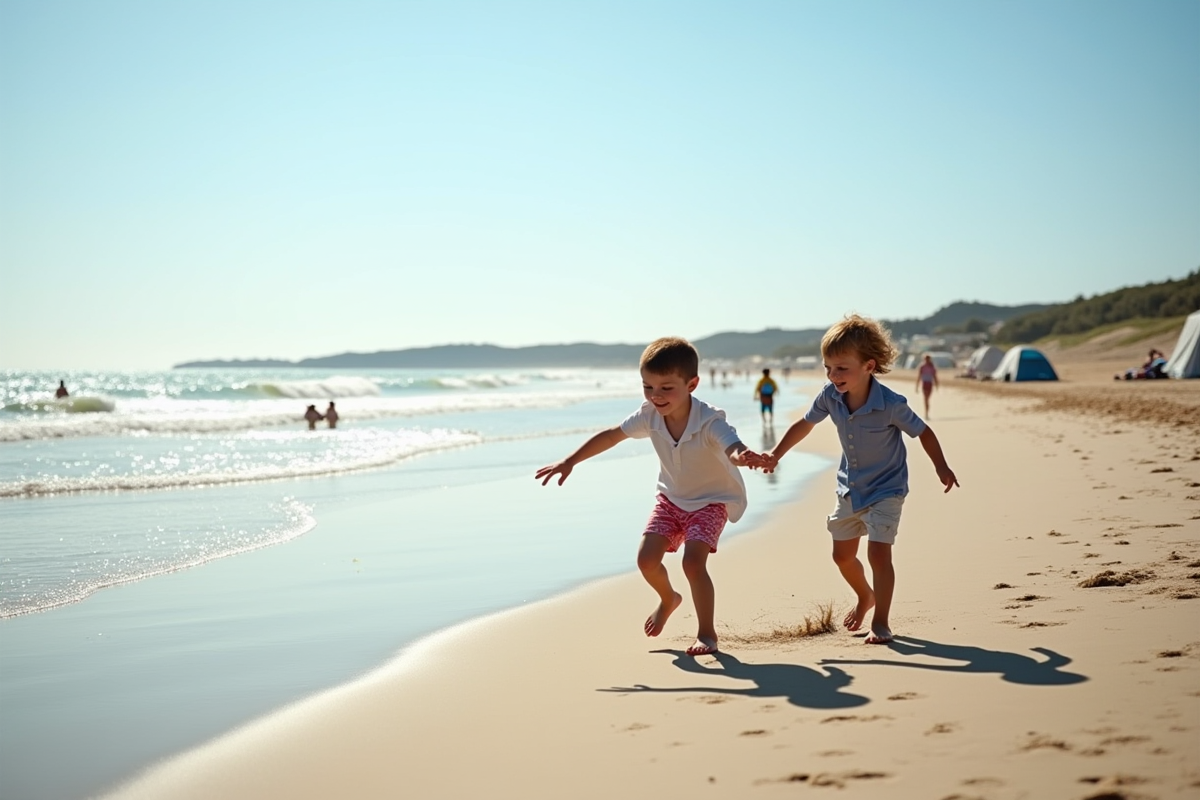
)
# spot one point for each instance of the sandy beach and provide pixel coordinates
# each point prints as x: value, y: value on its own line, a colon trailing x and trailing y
x: 1048, y: 645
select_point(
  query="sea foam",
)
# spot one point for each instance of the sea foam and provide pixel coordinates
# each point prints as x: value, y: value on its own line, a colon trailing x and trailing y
x: 251, y: 457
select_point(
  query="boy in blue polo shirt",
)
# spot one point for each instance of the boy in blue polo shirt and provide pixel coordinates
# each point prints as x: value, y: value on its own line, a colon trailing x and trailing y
x: 872, y: 479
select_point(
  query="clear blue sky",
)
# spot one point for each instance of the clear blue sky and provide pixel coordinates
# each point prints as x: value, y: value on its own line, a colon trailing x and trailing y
x: 186, y: 180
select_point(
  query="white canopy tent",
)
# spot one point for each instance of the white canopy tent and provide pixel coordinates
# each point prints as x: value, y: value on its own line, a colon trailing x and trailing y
x: 940, y: 359
x: 1185, y: 358
x: 984, y: 360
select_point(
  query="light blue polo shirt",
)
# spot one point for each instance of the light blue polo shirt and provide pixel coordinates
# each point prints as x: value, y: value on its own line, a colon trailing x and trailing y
x: 874, y: 460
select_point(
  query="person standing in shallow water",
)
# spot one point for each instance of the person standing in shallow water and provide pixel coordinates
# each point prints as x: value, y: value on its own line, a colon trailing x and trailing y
x: 61, y: 392
x: 331, y: 415
x: 313, y: 416
x: 926, y: 380
x: 765, y: 393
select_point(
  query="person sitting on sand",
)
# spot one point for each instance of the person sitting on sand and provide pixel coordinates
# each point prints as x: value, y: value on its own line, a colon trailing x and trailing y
x: 927, y: 380
x: 331, y: 415
x: 61, y: 391
x: 699, y: 486
x: 1155, y: 367
x: 313, y: 416
x: 872, y: 480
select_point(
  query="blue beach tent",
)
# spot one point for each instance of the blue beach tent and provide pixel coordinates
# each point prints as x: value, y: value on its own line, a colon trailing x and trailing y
x: 1022, y: 363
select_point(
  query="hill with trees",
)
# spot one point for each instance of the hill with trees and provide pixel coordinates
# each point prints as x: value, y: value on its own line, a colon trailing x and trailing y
x: 962, y: 317
x: 1151, y: 301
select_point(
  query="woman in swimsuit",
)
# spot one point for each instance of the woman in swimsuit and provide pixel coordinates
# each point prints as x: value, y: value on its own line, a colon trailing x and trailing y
x: 926, y: 380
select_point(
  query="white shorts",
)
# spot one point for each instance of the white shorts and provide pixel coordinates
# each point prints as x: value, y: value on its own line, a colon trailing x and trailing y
x: 879, y: 521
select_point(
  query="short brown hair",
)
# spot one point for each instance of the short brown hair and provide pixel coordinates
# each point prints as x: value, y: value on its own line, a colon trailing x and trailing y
x: 866, y: 338
x: 671, y: 355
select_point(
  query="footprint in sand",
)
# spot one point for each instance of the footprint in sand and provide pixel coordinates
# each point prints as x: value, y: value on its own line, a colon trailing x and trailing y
x: 1038, y: 741
x: 836, y: 780
x: 840, y: 779
x: 1111, y: 782
x: 905, y: 696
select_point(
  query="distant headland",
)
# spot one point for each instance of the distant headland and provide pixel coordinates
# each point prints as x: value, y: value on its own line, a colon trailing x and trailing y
x: 729, y: 345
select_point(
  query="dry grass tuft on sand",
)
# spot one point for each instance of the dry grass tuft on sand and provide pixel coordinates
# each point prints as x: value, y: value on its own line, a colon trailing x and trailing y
x: 820, y: 622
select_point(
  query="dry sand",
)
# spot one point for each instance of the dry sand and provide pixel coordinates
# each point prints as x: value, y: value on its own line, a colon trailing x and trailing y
x: 1010, y: 678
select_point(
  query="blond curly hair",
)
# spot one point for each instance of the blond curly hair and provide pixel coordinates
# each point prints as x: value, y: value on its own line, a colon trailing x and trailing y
x: 866, y: 338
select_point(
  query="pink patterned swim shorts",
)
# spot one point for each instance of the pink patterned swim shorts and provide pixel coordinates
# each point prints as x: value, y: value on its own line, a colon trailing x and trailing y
x: 678, y: 526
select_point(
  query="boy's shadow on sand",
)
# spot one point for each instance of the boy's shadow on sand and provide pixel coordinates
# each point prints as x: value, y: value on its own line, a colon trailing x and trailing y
x: 801, y: 686
x: 1012, y: 667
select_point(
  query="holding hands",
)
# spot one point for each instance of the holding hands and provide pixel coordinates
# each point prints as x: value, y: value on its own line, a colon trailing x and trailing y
x: 747, y: 458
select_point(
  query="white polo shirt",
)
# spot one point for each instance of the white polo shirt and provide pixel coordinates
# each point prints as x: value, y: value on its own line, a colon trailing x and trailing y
x: 695, y: 470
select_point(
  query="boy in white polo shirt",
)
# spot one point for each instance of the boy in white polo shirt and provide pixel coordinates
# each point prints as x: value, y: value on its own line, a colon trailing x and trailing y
x: 699, y: 487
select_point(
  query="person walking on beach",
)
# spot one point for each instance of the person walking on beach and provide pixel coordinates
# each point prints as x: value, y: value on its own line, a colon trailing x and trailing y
x: 872, y: 480
x: 764, y: 393
x: 331, y: 415
x: 61, y: 391
x: 927, y: 380
x: 699, y: 486
x: 313, y: 416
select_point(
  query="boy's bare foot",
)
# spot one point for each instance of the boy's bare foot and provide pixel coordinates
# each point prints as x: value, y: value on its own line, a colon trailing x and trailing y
x: 854, y: 619
x: 703, y: 647
x: 880, y: 634
x: 658, y: 620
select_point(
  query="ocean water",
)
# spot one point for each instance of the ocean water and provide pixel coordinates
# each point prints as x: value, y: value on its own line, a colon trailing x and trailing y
x: 180, y: 554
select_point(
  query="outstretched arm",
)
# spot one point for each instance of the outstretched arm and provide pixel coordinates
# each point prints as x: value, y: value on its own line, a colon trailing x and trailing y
x: 594, y: 446
x: 934, y: 450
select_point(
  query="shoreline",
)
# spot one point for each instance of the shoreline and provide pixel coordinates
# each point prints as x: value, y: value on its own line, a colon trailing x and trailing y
x: 1008, y: 676
x: 192, y: 654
